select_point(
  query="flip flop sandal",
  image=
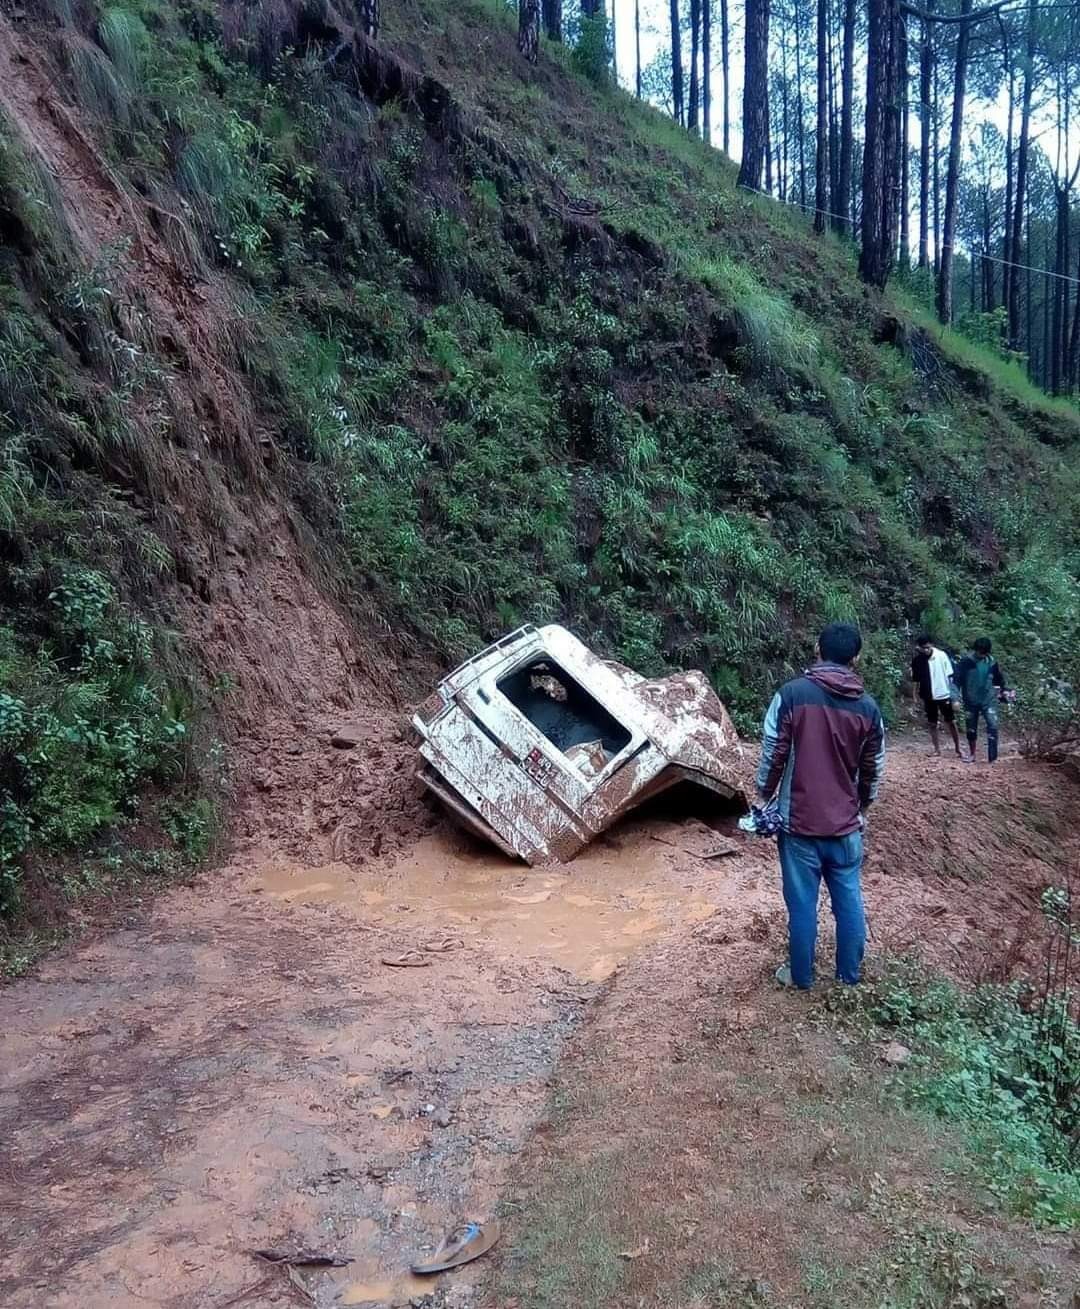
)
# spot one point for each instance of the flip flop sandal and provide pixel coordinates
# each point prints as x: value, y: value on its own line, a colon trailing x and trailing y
x: 462, y: 1246
x: 445, y: 945
x: 410, y: 959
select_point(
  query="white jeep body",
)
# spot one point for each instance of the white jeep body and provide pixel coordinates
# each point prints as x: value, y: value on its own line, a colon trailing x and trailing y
x: 538, y: 745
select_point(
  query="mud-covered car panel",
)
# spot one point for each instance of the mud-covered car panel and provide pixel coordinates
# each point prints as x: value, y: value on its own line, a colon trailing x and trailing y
x: 540, y: 745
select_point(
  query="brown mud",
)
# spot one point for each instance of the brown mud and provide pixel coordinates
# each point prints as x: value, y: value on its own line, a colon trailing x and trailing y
x: 241, y: 1070
x: 253, y: 594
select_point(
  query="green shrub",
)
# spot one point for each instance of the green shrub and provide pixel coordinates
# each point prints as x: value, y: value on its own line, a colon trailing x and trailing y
x: 1003, y: 1061
x: 101, y: 89
x: 194, y: 825
x: 85, y: 721
x: 16, y: 483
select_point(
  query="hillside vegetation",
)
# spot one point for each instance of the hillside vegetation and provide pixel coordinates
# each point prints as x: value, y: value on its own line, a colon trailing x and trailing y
x: 511, y: 346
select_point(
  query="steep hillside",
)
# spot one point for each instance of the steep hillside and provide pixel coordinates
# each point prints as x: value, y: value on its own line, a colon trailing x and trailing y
x: 305, y: 336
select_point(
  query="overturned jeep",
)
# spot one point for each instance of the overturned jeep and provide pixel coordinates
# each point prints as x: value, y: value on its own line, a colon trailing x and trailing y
x: 538, y: 745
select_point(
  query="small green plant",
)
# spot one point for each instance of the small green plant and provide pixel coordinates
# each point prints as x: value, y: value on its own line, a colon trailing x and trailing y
x: 1003, y: 1061
x: 987, y: 329
x: 194, y: 825
x: 486, y: 194
x: 127, y: 43
x: 721, y: 1287
x: 925, y: 1263
x: 20, y: 952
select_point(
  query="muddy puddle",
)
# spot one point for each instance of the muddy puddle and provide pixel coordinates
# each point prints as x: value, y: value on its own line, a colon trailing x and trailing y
x: 586, y: 917
x: 378, y: 1290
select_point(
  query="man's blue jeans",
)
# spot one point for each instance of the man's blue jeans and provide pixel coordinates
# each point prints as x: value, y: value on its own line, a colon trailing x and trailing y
x: 990, y: 714
x: 804, y: 861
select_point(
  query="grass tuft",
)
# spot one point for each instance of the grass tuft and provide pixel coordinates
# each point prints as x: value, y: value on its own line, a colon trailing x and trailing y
x: 127, y: 43
x: 101, y: 88
x: 772, y: 336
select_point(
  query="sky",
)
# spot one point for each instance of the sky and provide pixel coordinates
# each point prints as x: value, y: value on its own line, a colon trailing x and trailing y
x: 656, y: 36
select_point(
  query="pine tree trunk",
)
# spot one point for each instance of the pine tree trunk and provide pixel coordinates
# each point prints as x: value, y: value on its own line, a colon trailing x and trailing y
x: 529, y: 29
x: 369, y: 18
x: 1063, y: 284
x: 725, y: 69
x: 926, y: 83
x: 905, y: 144
x: 614, y: 43
x: 821, y: 160
x: 1074, y: 337
x: 1061, y: 255
x: 695, y: 84
x: 896, y: 122
x: 755, y: 94
x: 1016, y: 246
x: 676, y: 64
x: 847, y: 115
x: 1063, y: 192
x: 952, y: 172
x: 706, y: 70
x: 988, y: 267
x: 936, y: 148
x: 881, y: 167
x: 637, y: 47
x: 800, y: 110
x: 1029, y: 305
x: 552, y: 15
x: 1006, y: 269
x: 834, y: 124
x: 785, y: 110
x: 768, y: 151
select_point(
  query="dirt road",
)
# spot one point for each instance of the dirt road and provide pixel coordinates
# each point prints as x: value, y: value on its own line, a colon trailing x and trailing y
x: 242, y: 1070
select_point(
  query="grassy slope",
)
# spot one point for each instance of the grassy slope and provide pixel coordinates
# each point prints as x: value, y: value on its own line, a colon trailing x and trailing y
x: 96, y: 705
x: 526, y: 354
x: 692, y: 446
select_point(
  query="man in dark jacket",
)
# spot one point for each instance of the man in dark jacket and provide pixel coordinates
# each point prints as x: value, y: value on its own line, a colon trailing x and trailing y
x: 980, y: 682
x: 822, y: 758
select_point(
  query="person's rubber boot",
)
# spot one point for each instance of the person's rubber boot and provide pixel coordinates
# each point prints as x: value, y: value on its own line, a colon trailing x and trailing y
x: 783, y: 975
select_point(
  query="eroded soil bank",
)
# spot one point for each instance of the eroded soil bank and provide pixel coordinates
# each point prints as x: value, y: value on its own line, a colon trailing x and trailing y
x: 242, y: 1069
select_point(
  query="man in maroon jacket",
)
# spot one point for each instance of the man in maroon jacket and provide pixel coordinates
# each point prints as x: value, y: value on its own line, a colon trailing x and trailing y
x: 821, y: 759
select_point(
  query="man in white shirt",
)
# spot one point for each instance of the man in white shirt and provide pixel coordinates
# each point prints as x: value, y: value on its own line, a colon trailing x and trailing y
x: 931, y: 675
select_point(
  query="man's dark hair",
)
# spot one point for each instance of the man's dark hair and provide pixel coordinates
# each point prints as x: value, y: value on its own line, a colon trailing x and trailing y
x: 982, y: 645
x: 924, y: 640
x: 839, y: 643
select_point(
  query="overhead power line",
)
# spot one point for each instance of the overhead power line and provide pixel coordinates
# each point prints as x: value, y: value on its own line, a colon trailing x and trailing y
x: 810, y: 209
x: 1027, y: 268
